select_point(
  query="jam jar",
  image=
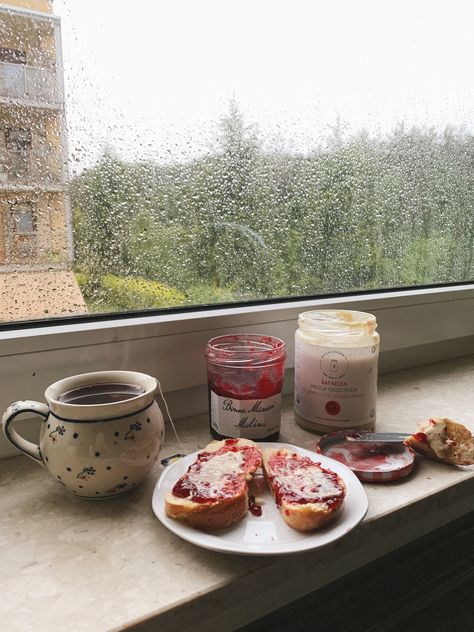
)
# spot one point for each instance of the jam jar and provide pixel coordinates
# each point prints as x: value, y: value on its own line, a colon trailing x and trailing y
x: 245, y: 377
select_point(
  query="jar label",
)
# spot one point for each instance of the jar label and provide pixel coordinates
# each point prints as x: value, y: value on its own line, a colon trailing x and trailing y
x: 245, y: 418
x: 336, y: 387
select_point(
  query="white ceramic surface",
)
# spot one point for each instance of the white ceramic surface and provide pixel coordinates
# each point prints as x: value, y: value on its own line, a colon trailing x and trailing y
x: 267, y: 534
x: 95, y: 451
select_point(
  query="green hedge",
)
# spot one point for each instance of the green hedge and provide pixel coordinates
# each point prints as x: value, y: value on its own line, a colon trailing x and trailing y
x: 113, y: 293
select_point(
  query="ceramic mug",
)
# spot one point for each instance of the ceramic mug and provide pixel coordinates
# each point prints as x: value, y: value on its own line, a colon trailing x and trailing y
x: 94, y: 450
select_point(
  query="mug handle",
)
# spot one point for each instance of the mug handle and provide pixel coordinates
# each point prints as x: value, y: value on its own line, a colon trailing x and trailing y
x: 17, y: 408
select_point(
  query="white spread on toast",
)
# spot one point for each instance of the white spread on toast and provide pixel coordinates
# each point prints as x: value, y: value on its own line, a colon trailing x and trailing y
x: 213, y: 474
x: 307, y: 482
x: 435, y: 432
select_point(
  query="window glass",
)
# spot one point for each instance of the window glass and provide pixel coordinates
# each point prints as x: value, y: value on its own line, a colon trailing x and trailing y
x: 12, y: 56
x: 22, y: 220
x: 193, y: 153
x: 18, y: 138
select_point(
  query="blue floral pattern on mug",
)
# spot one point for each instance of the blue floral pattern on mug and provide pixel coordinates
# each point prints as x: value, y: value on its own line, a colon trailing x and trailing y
x: 86, y: 473
x: 58, y: 431
x: 117, y: 488
x: 130, y: 434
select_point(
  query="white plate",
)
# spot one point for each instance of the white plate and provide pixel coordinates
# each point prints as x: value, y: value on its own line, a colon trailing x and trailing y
x: 267, y: 534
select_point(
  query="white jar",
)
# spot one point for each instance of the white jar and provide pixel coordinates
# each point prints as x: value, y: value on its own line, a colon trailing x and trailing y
x: 336, y: 356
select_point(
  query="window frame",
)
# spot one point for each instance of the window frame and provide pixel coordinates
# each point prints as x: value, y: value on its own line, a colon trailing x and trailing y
x: 57, y: 333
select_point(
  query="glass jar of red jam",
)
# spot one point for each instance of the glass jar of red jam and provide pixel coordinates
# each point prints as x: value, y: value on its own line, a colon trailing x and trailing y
x: 245, y: 376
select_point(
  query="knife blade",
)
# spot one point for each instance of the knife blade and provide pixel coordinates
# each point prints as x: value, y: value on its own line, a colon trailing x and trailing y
x: 378, y: 437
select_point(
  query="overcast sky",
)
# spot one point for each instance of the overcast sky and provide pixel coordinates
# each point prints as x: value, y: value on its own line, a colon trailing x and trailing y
x: 152, y: 78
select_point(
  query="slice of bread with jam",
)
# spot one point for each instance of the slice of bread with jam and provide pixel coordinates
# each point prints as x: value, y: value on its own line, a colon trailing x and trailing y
x: 308, y: 495
x: 213, y: 493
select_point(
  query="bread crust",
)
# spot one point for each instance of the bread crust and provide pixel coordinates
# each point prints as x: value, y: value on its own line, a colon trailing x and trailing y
x: 454, y: 445
x: 207, y: 516
x: 303, y: 517
x: 215, y: 514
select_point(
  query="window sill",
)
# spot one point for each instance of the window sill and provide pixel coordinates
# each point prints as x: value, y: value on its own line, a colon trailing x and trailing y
x: 131, y: 573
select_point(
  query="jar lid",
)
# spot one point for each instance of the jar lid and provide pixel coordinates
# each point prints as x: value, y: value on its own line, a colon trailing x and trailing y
x: 330, y: 323
x: 370, y: 462
x: 245, y: 350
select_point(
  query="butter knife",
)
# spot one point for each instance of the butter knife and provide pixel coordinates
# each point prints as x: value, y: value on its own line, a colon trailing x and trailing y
x: 378, y: 437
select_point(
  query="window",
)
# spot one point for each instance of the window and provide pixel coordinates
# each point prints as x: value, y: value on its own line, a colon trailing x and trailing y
x: 23, y: 221
x: 249, y: 150
x: 241, y: 153
x: 21, y: 237
x: 12, y: 72
x: 11, y: 56
x: 14, y: 162
x: 18, y: 138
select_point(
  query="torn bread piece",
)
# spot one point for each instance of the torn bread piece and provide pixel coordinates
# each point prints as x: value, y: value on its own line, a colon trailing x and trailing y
x: 308, y: 495
x: 443, y: 440
x: 213, y: 493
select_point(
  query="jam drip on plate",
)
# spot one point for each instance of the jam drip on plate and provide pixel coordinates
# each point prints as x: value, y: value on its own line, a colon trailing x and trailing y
x: 254, y: 509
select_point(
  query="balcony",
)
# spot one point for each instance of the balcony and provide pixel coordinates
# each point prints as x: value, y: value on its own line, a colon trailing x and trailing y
x: 28, y: 85
x: 31, y: 168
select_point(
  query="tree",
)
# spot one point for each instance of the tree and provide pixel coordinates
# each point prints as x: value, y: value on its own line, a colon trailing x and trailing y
x: 245, y: 223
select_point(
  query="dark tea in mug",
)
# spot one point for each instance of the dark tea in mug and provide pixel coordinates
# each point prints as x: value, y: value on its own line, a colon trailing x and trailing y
x: 108, y: 393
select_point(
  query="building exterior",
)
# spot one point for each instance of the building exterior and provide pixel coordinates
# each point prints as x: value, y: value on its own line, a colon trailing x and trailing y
x: 36, y: 254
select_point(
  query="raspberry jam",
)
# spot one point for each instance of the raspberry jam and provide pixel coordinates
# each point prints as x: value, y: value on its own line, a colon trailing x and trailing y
x: 368, y: 457
x: 421, y: 437
x: 254, y: 509
x: 299, y: 480
x: 217, y: 476
x: 371, y: 462
x: 245, y: 376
